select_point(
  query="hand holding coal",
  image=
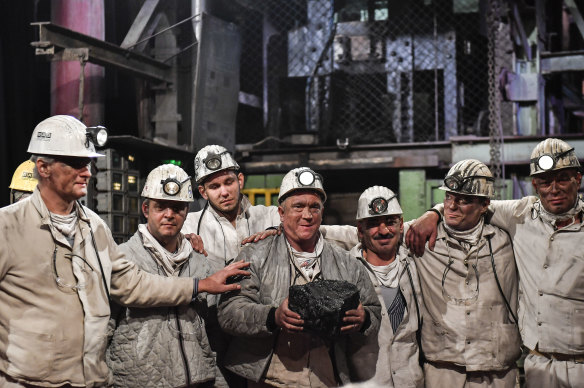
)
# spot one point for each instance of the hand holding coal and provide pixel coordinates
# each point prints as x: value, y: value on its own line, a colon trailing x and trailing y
x: 322, y: 305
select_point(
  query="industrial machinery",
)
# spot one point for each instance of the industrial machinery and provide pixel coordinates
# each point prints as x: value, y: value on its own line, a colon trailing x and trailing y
x: 376, y: 90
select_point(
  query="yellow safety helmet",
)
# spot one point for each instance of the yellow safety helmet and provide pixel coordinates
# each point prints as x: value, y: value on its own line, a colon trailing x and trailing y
x: 23, y: 179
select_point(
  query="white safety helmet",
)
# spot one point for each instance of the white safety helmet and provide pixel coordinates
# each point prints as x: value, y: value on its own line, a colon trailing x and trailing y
x: 62, y: 136
x: 377, y: 201
x: 301, y: 178
x: 168, y: 182
x: 470, y: 177
x: 552, y: 154
x: 23, y: 178
x: 211, y: 159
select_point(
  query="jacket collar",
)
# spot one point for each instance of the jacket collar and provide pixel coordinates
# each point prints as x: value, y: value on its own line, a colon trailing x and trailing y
x: 44, y: 213
x: 282, y: 253
x: 244, y: 204
x: 488, y: 230
x: 357, y: 252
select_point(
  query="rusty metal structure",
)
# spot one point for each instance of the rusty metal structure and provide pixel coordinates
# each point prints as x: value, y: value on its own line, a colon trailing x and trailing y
x: 360, y: 88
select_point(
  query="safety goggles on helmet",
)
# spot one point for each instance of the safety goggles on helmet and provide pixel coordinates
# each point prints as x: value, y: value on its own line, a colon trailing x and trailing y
x: 547, y: 162
x: 307, y: 177
x: 379, y: 205
x: 460, y: 183
x: 172, y: 186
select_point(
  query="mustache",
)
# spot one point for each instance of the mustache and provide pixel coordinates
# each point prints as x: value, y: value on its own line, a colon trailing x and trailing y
x: 384, y: 236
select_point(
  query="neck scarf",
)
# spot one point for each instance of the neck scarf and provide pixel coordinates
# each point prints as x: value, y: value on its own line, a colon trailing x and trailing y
x: 468, y: 237
x: 170, y: 262
x: 65, y: 224
x: 388, y: 275
x: 552, y: 219
x: 306, y: 261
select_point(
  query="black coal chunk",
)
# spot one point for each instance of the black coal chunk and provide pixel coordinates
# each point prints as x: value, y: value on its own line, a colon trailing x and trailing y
x: 322, y: 305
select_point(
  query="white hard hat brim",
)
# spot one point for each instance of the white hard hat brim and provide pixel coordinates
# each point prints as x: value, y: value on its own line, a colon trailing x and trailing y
x: 294, y: 191
x: 90, y: 154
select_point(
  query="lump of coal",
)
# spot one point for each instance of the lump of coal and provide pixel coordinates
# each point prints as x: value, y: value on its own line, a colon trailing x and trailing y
x: 322, y: 305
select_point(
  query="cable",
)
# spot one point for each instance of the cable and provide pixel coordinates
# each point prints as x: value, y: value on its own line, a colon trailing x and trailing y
x: 499, y: 284
x: 162, y: 31
x: 96, y: 252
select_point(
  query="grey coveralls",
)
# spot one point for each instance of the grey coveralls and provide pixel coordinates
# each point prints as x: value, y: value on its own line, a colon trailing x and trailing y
x: 393, y: 358
x: 551, y: 300
x: 163, y: 346
x: 244, y: 314
x: 468, y: 337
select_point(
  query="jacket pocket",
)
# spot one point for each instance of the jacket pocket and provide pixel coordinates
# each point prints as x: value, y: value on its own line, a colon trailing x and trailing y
x: 436, y: 340
x: 578, y: 330
x: 508, y: 343
x: 30, y: 354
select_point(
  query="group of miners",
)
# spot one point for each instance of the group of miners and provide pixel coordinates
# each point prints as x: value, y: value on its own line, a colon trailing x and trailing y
x: 202, y: 299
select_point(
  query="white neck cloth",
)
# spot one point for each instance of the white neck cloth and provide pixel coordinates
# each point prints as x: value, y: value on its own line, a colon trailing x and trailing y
x: 467, y: 237
x: 552, y: 218
x: 170, y: 262
x: 388, y: 275
x: 306, y: 261
x: 65, y: 224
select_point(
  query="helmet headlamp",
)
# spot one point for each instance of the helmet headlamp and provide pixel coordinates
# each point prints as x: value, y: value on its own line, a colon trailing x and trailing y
x: 97, y: 135
x: 213, y: 161
x: 460, y: 183
x: 172, y: 186
x: 547, y: 162
x: 307, y: 177
x: 379, y: 205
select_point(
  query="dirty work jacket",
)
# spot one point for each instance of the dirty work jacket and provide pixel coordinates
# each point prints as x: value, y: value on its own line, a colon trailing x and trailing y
x: 243, y: 314
x: 162, y: 346
x: 551, y: 271
x: 50, y: 335
x: 393, y: 358
x: 478, y: 333
x: 222, y: 242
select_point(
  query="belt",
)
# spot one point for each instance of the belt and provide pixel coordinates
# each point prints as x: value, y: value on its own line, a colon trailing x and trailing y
x: 447, y: 365
x: 461, y: 368
x: 579, y: 358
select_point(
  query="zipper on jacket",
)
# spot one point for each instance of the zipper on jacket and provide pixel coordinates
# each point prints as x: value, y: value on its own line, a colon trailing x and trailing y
x: 182, y: 347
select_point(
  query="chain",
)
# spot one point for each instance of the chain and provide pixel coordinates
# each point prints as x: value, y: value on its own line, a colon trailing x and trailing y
x: 312, y: 83
x: 495, y: 130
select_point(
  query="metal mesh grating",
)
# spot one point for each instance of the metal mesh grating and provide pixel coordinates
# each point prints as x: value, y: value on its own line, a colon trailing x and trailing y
x: 371, y: 71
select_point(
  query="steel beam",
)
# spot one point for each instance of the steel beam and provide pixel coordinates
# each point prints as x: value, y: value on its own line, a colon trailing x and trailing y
x: 140, y: 23
x: 554, y: 64
x: 429, y: 156
x: 53, y: 38
x: 360, y: 157
x: 576, y: 16
x: 517, y: 149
